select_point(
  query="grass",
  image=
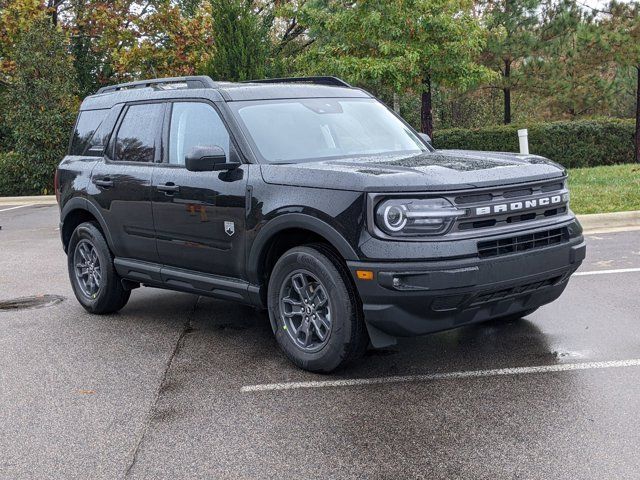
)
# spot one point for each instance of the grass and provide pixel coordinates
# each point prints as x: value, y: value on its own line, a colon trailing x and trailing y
x: 614, y: 188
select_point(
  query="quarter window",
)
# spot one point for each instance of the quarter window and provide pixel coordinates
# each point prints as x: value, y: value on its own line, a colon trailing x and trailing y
x: 88, y: 123
x: 194, y: 124
x: 137, y: 136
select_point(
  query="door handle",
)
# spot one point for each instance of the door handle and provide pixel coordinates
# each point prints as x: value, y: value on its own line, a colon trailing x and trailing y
x: 168, y: 188
x: 105, y: 182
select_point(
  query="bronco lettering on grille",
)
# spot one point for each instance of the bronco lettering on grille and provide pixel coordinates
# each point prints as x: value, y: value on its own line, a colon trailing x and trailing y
x: 522, y: 205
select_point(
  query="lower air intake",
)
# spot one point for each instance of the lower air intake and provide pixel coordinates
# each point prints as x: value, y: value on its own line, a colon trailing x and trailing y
x: 522, y: 243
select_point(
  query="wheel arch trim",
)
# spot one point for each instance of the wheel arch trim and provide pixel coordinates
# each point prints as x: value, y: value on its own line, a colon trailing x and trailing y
x: 81, y: 203
x: 298, y: 221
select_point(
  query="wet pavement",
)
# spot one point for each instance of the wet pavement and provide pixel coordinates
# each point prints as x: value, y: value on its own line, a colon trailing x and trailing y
x: 156, y: 391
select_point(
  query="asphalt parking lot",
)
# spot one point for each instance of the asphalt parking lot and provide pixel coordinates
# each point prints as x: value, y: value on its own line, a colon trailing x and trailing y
x: 176, y: 386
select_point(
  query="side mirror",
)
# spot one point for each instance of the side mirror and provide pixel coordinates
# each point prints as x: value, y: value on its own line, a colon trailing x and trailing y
x: 208, y: 159
x: 426, y: 138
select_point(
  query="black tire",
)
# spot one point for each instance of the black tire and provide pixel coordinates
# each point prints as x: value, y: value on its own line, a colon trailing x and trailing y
x: 348, y: 338
x: 516, y: 316
x: 110, y: 296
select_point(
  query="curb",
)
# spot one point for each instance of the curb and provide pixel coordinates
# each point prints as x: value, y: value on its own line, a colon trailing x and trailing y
x: 35, y: 200
x: 598, y: 222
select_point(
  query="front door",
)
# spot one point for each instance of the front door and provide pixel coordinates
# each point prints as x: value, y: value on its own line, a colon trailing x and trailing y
x: 199, y: 216
x: 122, y: 181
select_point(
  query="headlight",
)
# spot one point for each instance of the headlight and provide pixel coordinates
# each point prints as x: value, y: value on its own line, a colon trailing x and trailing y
x: 415, y: 217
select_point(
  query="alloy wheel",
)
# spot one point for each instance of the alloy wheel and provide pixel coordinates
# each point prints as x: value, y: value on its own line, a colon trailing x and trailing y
x: 87, y: 268
x: 305, y: 310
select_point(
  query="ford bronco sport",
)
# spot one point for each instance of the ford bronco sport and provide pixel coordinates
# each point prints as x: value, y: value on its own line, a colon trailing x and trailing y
x: 311, y: 199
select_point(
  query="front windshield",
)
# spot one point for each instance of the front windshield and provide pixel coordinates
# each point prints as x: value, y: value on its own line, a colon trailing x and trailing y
x: 299, y: 130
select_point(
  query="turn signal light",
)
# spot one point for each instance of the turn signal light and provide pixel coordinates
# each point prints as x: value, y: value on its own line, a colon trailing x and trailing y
x: 364, y: 274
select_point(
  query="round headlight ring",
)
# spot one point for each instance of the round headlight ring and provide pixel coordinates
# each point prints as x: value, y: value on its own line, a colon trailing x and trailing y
x: 394, y: 217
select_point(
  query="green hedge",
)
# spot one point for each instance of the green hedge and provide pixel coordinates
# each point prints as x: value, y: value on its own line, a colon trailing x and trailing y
x: 580, y: 143
x: 21, y: 176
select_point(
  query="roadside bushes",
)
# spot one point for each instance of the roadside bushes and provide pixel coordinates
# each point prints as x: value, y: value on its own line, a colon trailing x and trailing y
x: 24, y: 175
x: 574, y: 144
x: 19, y: 176
x: 40, y: 110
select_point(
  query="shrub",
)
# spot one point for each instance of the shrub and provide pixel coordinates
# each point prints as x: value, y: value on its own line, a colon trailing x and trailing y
x: 21, y: 176
x: 580, y: 143
x: 41, y: 109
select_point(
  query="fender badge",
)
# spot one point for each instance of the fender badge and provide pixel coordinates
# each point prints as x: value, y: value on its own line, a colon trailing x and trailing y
x: 230, y: 228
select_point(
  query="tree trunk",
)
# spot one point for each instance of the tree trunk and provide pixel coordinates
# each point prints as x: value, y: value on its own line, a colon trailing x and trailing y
x: 396, y: 103
x: 637, y: 135
x: 507, y: 92
x: 53, y: 11
x: 426, y: 112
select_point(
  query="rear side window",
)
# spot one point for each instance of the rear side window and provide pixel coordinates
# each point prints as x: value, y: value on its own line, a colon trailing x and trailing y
x: 138, y: 135
x: 88, y: 122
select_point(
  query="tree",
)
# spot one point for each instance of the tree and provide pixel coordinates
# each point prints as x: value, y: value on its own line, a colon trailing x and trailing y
x: 511, y: 38
x: 168, y: 40
x: 15, y: 18
x: 621, y: 25
x: 287, y: 36
x: 569, y: 69
x: 110, y: 39
x: 42, y: 105
x: 395, y: 44
x: 241, y: 41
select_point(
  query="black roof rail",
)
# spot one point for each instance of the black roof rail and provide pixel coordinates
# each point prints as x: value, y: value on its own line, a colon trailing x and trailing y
x: 199, y: 81
x: 332, y: 81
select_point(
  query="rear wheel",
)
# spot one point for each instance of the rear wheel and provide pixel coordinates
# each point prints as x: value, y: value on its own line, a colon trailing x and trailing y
x: 314, y: 309
x: 95, y: 282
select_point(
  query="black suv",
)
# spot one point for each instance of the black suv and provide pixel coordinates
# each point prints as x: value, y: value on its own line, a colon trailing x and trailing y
x: 312, y: 199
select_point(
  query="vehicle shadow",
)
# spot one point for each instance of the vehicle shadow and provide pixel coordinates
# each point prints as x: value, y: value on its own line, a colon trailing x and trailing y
x: 234, y: 330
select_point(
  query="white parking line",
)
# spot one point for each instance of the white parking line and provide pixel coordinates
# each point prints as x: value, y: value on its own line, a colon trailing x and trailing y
x: 563, y: 367
x: 13, y: 208
x: 605, y: 272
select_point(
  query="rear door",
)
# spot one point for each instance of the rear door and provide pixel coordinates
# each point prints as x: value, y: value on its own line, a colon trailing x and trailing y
x: 199, y: 216
x: 122, y: 181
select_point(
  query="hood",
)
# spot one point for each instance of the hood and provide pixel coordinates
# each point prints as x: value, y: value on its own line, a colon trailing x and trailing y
x: 429, y: 171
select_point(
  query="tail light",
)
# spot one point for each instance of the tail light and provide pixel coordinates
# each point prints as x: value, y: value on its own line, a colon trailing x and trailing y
x: 56, y: 186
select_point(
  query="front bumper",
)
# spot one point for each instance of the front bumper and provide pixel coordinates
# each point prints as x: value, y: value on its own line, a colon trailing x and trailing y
x: 416, y: 298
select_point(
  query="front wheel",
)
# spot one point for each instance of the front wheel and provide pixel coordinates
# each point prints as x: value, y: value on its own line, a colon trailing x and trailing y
x: 95, y: 282
x: 314, y: 309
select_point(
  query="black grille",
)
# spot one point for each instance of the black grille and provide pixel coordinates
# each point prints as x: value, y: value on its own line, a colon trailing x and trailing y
x: 472, y: 201
x: 551, y: 187
x: 518, y: 193
x: 492, y: 222
x: 486, y: 197
x: 519, y: 290
x: 521, y: 243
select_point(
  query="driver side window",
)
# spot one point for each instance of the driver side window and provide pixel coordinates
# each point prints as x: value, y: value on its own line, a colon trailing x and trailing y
x: 194, y: 124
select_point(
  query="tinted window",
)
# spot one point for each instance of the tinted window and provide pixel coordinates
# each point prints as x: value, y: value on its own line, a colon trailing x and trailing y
x: 103, y: 132
x: 138, y: 133
x: 194, y: 124
x: 88, y: 122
